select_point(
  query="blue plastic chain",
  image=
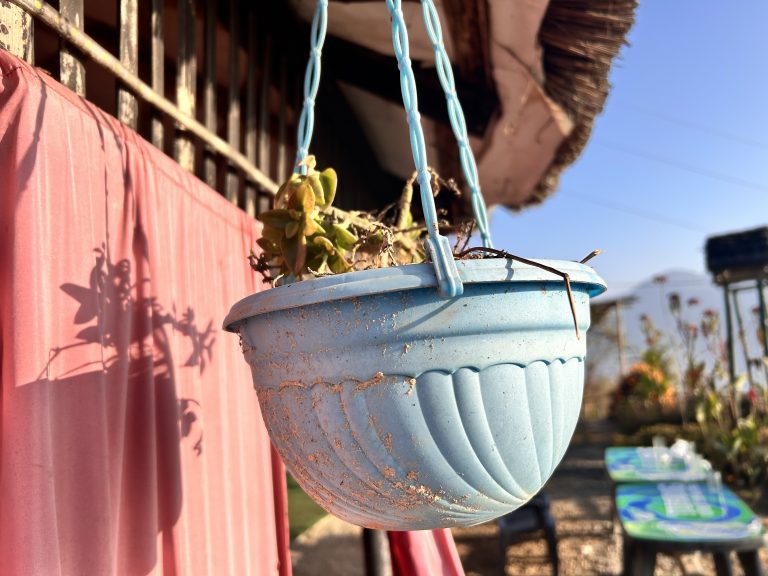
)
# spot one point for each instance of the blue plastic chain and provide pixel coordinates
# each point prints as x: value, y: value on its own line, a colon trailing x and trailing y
x: 449, y: 282
x: 456, y: 115
x: 311, y: 82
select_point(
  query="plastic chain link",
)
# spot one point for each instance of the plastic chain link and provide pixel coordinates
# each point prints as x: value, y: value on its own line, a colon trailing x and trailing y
x: 311, y: 82
x: 456, y: 115
x: 449, y: 283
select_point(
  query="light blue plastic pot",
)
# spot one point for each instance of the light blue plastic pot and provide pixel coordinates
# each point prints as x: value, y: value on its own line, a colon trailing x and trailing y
x: 397, y: 409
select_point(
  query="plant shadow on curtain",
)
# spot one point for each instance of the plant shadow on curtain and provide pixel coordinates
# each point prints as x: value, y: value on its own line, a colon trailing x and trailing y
x: 131, y: 439
x: 134, y: 385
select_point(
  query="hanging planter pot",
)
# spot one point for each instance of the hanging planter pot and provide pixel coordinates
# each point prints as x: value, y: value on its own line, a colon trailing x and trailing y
x: 427, y: 395
x: 397, y: 409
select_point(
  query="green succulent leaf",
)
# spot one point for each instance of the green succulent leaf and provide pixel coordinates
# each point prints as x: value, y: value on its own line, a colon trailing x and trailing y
x: 303, y: 198
x: 274, y: 234
x: 338, y: 263
x: 324, y: 243
x: 291, y: 229
x: 277, y: 218
x: 320, y: 228
x: 309, y: 227
x: 309, y: 162
x: 295, y: 253
x: 268, y: 245
x: 317, y: 189
x: 344, y: 238
x: 328, y: 181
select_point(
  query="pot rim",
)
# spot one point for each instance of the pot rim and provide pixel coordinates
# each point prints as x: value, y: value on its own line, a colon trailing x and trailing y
x: 407, y: 277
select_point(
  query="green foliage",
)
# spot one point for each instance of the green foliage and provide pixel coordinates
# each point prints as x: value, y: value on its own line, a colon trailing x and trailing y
x: 304, y: 235
x: 649, y: 386
x: 732, y: 426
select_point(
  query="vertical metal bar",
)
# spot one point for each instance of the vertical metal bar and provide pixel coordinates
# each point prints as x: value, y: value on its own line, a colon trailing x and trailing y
x: 729, y: 335
x: 158, y: 67
x: 742, y: 336
x: 209, y: 88
x: 282, y: 135
x: 264, y: 124
x: 186, y: 72
x: 376, y: 553
x: 763, y: 316
x: 17, y: 31
x: 72, y: 70
x: 620, y: 338
x: 127, y: 105
x: 250, y: 112
x: 233, y: 115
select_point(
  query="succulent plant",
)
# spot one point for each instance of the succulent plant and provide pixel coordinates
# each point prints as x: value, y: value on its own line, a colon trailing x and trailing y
x: 303, y: 234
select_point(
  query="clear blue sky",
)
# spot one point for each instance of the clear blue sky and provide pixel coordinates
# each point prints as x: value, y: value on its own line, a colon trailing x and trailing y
x: 679, y: 153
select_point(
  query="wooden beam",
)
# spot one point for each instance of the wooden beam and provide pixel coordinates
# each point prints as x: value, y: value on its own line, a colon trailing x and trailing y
x: 468, y: 26
x: 209, y: 88
x: 72, y: 71
x: 186, y: 75
x: 16, y: 31
x: 250, y: 111
x: 128, y: 19
x: 158, y: 66
x: 282, y: 125
x: 93, y: 50
x: 233, y: 100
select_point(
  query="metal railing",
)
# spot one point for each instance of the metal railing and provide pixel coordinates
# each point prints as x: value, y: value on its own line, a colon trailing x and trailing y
x: 243, y: 157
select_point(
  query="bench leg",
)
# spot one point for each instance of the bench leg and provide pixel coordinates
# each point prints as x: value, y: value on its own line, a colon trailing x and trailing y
x: 750, y: 562
x: 638, y: 560
x: 723, y: 566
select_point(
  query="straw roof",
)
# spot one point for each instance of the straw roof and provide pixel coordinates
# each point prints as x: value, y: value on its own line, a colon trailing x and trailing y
x: 580, y: 40
x: 532, y: 77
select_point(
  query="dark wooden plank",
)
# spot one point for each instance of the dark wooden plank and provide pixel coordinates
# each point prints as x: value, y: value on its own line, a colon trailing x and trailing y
x: 264, y: 158
x: 233, y: 99
x: 186, y: 73
x: 127, y: 105
x: 344, y: 61
x: 209, y: 88
x: 158, y: 66
x: 264, y: 107
x: 468, y: 26
x: 16, y: 31
x: 281, y: 174
x: 250, y: 112
x: 72, y: 71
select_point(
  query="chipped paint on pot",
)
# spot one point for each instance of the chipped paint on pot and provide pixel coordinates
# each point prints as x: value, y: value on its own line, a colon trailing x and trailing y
x: 399, y: 410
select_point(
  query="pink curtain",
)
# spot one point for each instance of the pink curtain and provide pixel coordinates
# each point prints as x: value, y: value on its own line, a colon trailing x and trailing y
x: 131, y: 441
x: 424, y: 553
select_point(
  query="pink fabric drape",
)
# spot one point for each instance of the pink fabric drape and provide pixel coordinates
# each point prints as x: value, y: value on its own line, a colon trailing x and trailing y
x: 132, y: 441
x: 424, y: 553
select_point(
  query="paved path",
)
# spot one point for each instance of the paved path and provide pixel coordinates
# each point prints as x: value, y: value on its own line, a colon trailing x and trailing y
x: 580, y: 494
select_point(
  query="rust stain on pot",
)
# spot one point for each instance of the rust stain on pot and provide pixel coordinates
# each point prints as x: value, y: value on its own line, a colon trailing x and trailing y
x: 412, y: 475
x: 389, y: 472
x: 377, y: 379
x: 411, y: 383
x: 291, y: 384
x: 387, y: 441
x: 406, y: 348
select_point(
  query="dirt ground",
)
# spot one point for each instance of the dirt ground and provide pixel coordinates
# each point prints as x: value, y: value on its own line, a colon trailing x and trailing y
x: 587, y: 543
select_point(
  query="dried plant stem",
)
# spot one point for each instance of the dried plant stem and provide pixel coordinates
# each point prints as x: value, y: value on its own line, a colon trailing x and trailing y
x: 589, y: 256
x: 563, y: 275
